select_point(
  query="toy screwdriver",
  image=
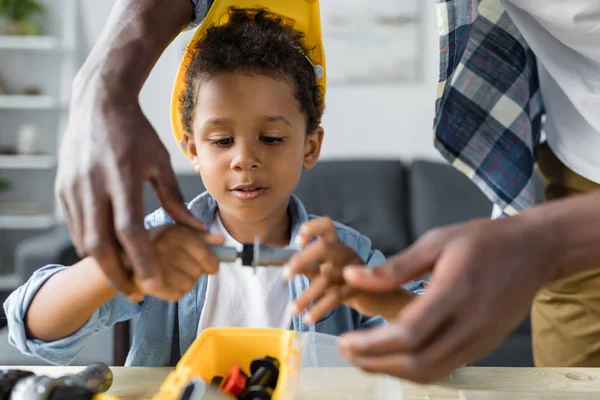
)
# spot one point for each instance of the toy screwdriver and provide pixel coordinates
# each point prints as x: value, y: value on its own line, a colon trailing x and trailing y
x: 253, y: 255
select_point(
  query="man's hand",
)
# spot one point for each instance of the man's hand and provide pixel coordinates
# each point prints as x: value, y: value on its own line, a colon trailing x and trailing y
x: 110, y: 149
x: 485, y: 275
x: 183, y: 255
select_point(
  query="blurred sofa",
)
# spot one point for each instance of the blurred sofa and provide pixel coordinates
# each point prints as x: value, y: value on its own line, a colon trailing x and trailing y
x: 391, y: 202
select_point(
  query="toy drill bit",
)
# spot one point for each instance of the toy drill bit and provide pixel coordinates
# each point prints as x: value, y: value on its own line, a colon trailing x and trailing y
x: 253, y: 255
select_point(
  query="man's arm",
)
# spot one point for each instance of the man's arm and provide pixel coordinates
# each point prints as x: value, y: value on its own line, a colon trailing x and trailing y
x: 110, y: 149
x: 575, y: 225
x: 485, y: 275
x: 135, y: 35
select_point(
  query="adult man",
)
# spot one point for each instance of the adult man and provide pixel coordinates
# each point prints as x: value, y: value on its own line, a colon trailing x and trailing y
x: 487, y: 123
x: 502, y: 62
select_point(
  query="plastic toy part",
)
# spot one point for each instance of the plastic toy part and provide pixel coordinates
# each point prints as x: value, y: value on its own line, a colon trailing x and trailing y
x: 253, y: 255
x: 235, y: 381
x: 265, y: 372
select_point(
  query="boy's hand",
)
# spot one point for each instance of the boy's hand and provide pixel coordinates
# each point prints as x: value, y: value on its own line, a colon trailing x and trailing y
x: 322, y: 261
x: 385, y: 304
x: 182, y: 255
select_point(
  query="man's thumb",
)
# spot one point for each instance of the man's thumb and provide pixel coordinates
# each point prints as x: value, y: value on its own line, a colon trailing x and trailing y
x: 398, y: 270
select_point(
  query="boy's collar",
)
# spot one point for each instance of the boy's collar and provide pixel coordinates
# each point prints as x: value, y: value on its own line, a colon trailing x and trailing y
x: 205, y: 206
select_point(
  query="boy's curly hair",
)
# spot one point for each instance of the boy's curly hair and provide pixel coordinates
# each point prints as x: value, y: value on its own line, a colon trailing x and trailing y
x: 254, y: 41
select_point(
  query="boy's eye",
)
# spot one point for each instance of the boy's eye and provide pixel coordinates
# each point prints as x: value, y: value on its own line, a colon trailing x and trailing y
x: 271, y: 139
x: 222, y: 142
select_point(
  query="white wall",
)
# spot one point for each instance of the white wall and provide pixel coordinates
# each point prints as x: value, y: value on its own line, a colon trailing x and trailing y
x: 360, y: 121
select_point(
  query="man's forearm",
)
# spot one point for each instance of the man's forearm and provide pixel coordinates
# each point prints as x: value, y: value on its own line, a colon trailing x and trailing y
x: 135, y: 35
x: 570, y: 228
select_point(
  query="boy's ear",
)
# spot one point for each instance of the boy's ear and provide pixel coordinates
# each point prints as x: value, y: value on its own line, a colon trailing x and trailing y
x: 192, y: 152
x: 312, y: 147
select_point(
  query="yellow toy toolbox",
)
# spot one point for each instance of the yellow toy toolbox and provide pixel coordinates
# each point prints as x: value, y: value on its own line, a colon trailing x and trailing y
x: 216, y: 350
x: 302, y: 15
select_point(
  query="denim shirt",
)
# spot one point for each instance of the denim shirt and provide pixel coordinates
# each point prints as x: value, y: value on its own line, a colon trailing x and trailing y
x: 153, y: 336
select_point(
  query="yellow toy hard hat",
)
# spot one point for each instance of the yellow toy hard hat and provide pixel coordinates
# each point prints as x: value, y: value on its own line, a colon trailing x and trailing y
x: 301, y: 15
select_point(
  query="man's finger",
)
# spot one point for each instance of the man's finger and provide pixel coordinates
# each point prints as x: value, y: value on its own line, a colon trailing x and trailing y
x: 391, y: 363
x: 332, y: 299
x: 447, y: 297
x: 320, y: 227
x: 449, y: 340
x: 308, y: 259
x: 376, y: 341
x: 472, y: 348
x: 420, y: 368
x: 170, y: 197
x: 128, y: 209
x: 99, y: 239
x: 415, y: 324
x: 428, y: 314
x: 402, y: 268
x: 109, y: 260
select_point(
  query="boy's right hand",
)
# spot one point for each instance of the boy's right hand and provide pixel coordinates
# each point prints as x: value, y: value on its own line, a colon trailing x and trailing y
x: 328, y: 288
x: 182, y: 255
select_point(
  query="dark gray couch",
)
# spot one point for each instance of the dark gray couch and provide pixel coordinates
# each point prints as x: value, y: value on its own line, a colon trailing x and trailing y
x: 391, y: 202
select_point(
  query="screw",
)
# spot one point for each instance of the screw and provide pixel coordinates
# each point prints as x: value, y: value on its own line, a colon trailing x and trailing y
x: 265, y: 372
x: 257, y: 393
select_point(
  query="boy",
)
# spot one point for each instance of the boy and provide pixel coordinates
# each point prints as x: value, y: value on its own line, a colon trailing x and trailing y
x: 251, y: 112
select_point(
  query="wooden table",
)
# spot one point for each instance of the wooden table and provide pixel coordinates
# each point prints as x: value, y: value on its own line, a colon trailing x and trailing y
x: 349, y: 383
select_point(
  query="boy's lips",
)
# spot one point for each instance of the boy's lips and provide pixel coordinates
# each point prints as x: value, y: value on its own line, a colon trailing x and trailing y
x: 248, y: 192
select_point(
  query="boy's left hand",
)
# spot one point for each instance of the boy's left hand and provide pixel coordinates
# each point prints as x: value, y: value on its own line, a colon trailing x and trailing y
x: 323, y: 261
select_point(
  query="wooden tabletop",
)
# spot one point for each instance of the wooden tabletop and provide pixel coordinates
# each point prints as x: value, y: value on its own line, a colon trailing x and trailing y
x: 348, y: 383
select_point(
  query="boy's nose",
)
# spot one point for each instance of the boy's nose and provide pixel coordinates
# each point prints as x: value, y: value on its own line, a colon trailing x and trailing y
x: 246, y: 159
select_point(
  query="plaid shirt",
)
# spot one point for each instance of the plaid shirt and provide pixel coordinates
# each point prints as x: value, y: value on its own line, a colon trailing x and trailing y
x: 489, y: 107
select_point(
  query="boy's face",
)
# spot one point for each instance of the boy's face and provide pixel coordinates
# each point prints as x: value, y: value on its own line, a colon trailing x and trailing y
x: 249, y: 144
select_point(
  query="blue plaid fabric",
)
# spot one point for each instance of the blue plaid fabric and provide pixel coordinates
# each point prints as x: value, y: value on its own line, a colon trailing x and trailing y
x: 201, y: 8
x: 489, y: 107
